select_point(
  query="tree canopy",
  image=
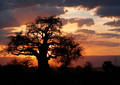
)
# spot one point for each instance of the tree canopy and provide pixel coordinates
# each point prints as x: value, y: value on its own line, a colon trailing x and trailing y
x: 68, y: 50
x: 42, y: 36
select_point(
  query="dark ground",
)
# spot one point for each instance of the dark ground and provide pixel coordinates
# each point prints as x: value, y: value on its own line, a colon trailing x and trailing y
x: 60, y: 78
x: 19, y: 74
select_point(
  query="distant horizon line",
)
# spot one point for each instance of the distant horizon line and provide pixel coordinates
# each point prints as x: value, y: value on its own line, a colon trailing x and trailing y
x: 101, y: 55
x: 83, y: 56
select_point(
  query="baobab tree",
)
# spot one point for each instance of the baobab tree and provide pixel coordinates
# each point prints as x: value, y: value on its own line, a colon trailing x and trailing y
x: 38, y: 39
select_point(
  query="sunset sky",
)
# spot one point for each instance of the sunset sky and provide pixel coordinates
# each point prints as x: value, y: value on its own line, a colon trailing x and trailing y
x: 93, y: 23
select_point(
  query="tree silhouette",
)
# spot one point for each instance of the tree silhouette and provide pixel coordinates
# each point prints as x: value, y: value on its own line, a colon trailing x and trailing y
x: 37, y: 39
x: 108, y: 66
x: 42, y: 36
x: 88, y: 67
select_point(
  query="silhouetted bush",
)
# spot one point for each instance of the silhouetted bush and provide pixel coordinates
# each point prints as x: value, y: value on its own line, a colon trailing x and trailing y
x: 19, y: 66
x: 108, y: 67
x: 78, y: 68
x: 88, y: 67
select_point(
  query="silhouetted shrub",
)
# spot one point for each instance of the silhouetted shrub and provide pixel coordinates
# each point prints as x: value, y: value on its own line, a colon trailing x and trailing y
x: 108, y: 67
x: 88, y: 67
x: 79, y: 69
x: 19, y: 66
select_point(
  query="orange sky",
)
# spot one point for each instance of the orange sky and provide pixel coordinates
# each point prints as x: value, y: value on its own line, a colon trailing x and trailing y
x: 96, y: 26
x: 71, y: 27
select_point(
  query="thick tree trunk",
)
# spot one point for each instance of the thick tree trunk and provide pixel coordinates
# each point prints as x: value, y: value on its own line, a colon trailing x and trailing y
x: 43, y: 65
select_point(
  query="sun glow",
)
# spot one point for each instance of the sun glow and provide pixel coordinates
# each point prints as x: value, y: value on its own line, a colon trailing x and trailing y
x: 70, y: 27
x: 55, y: 62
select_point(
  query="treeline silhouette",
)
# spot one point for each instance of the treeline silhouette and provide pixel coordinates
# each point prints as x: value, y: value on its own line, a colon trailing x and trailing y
x: 24, y: 73
x: 16, y: 65
x: 26, y: 65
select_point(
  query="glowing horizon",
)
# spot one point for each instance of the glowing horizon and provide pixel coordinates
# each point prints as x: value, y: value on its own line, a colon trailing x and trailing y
x: 94, y: 25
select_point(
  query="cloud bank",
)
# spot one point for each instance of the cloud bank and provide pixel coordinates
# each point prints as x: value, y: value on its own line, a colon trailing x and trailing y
x: 107, y: 8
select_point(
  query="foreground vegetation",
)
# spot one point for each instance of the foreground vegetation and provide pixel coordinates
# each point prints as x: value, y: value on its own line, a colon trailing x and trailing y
x: 21, y: 73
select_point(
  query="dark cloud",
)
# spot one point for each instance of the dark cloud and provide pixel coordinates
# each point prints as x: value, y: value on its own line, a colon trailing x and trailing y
x: 19, y: 16
x: 108, y: 35
x: 7, y: 19
x: 12, y: 4
x: 4, y: 34
x: 113, y: 23
x: 6, y: 4
x: 102, y: 43
x: 84, y: 39
x: 16, y: 17
x: 64, y: 21
x: 87, y: 31
x: 90, y: 4
x: 115, y: 30
x: 111, y: 11
x: 30, y: 13
x: 103, y: 35
x: 80, y: 21
x: 106, y: 7
x: 87, y: 22
x: 78, y: 37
